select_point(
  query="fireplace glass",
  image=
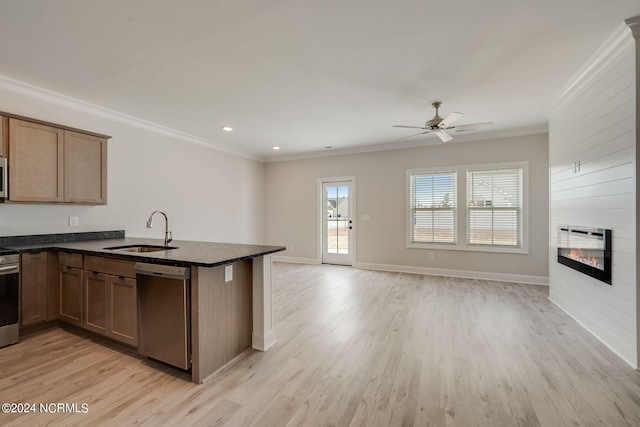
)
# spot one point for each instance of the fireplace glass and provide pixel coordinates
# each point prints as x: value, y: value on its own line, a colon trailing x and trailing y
x: 587, y: 250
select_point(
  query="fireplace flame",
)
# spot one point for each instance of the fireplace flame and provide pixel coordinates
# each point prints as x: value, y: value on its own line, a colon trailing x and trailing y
x: 577, y: 255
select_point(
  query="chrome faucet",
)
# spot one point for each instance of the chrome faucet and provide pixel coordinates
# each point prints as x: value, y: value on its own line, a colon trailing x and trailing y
x: 168, y: 236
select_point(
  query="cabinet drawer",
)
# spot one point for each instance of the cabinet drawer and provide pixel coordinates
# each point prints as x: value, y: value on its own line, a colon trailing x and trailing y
x: 112, y: 266
x: 70, y: 260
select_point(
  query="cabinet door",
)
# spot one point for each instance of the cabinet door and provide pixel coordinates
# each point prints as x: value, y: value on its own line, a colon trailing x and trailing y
x: 34, y: 288
x: 85, y: 168
x: 71, y: 295
x: 95, y: 302
x: 123, y: 310
x: 4, y: 136
x: 35, y: 162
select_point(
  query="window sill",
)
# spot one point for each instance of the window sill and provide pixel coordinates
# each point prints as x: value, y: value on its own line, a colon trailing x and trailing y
x: 523, y: 250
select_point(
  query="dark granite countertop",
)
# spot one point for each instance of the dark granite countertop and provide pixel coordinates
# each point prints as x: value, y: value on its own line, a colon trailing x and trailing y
x: 186, y: 253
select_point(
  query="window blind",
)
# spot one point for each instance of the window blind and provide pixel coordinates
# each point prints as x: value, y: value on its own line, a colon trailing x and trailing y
x: 433, y: 207
x: 494, y: 201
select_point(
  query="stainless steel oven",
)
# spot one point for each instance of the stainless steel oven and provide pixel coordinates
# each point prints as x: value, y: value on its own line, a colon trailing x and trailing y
x: 4, y: 183
x: 9, y: 300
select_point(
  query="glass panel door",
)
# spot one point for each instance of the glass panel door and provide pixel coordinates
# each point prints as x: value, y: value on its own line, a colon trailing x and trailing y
x: 337, y: 223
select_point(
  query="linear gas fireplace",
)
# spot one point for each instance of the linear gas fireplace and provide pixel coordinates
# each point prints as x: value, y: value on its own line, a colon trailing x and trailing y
x: 587, y: 250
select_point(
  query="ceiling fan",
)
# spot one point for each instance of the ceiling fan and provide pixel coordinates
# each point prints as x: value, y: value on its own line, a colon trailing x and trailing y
x: 438, y: 125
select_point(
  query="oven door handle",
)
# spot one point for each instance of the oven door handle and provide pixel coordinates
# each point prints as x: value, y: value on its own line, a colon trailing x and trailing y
x: 9, y: 269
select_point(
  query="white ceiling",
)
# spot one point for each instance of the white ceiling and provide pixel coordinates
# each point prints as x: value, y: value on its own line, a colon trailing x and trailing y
x: 307, y: 74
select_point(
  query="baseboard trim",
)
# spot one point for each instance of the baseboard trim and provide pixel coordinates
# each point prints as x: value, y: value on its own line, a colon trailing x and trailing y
x: 630, y: 363
x: 263, y: 342
x: 464, y: 274
x: 295, y: 260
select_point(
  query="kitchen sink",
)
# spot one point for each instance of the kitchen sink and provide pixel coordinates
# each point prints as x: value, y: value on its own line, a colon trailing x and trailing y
x: 141, y: 248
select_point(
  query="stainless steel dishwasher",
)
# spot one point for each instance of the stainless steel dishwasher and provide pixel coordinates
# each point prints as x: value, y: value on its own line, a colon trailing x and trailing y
x: 164, y: 313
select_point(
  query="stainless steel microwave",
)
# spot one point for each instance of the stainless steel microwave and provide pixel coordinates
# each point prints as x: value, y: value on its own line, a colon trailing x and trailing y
x: 4, y: 183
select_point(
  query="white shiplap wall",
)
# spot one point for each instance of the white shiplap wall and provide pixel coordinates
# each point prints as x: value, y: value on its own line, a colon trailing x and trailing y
x: 594, y: 122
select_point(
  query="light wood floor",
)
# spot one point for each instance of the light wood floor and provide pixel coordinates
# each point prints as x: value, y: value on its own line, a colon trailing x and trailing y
x: 357, y: 348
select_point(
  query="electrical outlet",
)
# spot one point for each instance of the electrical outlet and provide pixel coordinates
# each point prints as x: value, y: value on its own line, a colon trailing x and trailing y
x: 73, y: 221
x: 228, y: 273
x: 431, y: 255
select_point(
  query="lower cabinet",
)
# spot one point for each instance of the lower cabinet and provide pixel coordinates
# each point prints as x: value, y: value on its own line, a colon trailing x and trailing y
x: 71, y: 295
x: 122, y: 309
x: 110, y: 302
x: 110, y: 306
x: 33, y: 288
x: 99, y: 294
x: 95, y: 302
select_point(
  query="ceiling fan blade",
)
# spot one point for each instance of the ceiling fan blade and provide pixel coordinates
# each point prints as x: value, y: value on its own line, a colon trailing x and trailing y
x: 410, y: 127
x: 411, y: 136
x: 475, y: 126
x: 445, y: 137
x: 452, y: 117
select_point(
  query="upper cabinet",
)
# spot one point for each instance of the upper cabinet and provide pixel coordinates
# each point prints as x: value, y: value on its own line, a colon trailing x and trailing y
x: 4, y: 135
x: 36, y: 159
x: 50, y: 164
x: 85, y: 168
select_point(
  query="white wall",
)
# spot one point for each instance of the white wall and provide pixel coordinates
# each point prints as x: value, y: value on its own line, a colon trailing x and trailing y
x: 208, y: 194
x: 594, y: 122
x: 291, y: 205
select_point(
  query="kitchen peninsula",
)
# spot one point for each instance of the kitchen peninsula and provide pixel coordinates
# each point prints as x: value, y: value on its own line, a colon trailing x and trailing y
x: 230, y: 289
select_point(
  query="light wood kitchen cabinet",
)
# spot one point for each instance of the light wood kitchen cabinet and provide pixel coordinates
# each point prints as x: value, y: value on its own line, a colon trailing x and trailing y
x: 111, y: 307
x: 85, y: 168
x: 71, y: 295
x: 36, y: 161
x: 33, y: 288
x: 49, y: 163
x: 122, y: 309
x: 95, y: 302
x: 99, y: 294
x: 4, y: 135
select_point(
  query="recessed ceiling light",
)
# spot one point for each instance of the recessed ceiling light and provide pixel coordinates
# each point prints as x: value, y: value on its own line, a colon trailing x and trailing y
x: 275, y: 147
x: 227, y: 128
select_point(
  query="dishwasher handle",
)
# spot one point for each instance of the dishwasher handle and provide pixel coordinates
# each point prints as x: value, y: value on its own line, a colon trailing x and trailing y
x: 166, y: 271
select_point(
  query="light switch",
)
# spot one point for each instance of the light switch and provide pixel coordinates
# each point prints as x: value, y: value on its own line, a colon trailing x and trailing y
x: 228, y: 273
x: 73, y: 221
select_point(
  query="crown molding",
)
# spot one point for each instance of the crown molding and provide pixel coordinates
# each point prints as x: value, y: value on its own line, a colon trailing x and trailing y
x: 634, y: 25
x: 604, y: 56
x: 424, y: 142
x: 48, y: 96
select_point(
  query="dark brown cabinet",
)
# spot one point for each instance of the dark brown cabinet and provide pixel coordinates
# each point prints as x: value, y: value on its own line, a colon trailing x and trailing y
x: 33, y: 288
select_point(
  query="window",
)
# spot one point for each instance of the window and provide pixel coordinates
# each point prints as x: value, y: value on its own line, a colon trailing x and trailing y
x: 433, y: 207
x: 468, y: 208
x: 494, y: 207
